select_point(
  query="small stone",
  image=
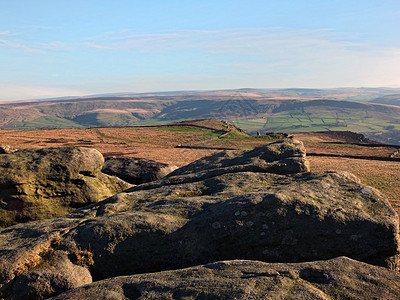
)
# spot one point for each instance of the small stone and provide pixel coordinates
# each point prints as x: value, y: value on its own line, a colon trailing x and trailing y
x: 250, y: 223
x: 237, y: 213
x: 338, y: 231
x: 265, y: 226
x: 366, y: 191
x: 262, y: 233
x: 239, y: 222
x: 244, y: 213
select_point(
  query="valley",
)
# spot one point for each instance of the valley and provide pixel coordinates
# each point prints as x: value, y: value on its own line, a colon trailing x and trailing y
x: 254, y: 110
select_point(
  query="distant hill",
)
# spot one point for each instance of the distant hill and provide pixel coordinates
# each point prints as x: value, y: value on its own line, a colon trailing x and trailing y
x: 356, y: 94
x: 389, y: 99
x: 254, y: 110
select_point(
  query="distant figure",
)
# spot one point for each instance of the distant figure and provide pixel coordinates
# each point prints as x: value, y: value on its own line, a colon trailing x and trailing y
x: 258, y: 133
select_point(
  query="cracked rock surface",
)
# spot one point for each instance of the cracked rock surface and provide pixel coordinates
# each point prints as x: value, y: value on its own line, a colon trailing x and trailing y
x: 261, y: 204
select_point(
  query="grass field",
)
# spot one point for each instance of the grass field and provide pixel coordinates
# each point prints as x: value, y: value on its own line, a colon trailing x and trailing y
x: 306, y: 122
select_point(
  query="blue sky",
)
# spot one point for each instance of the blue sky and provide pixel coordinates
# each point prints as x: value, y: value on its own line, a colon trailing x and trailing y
x: 58, y: 48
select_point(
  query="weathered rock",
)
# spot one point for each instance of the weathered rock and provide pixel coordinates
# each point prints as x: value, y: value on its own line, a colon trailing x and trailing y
x: 56, y: 275
x: 5, y: 149
x: 339, y: 278
x: 25, y: 246
x: 43, y: 183
x: 286, y: 157
x: 235, y: 211
x: 136, y: 170
x: 245, y: 215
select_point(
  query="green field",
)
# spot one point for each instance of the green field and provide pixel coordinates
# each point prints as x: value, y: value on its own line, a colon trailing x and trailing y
x: 305, y: 122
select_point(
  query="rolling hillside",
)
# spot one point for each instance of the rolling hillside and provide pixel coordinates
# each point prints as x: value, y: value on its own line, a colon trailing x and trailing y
x: 254, y: 110
x: 389, y: 100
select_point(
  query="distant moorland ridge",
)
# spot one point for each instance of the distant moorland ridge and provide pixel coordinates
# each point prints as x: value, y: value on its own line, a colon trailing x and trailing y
x: 373, y: 112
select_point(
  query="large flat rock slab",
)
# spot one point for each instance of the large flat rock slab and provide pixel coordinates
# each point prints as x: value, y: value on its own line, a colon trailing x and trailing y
x: 339, y: 278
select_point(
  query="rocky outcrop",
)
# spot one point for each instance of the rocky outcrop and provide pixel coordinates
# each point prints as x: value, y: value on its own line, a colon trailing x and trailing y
x: 136, y: 170
x: 339, y: 278
x: 260, y: 204
x: 279, y: 158
x: 56, y: 274
x: 43, y: 183
x: 4, y: 149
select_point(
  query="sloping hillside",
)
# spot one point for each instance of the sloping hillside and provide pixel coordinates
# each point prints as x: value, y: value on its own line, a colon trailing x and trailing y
x: 389, y: 100
x: 248, y: 109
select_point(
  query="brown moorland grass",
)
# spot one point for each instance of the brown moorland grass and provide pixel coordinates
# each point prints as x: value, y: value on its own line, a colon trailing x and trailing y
x: 140, y: 142
x: 371, y: 164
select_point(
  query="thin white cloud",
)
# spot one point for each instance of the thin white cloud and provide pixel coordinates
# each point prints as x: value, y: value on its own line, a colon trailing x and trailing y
x: 322, y: 57
x: 18, y: 40
x: 19, y: 46
x: 56, y: 46
x: 266, y: 57
x: 218, y: 40
x: 95, y: 46
x: 41, y: 48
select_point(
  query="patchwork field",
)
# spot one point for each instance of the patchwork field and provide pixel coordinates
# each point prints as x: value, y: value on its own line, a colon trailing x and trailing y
x: 297, y: 121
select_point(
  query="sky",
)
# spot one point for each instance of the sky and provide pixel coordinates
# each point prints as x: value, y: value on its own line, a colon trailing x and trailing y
x: 54, y: 48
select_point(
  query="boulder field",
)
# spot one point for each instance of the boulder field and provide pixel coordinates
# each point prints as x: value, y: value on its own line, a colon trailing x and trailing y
x: 248, y: 219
